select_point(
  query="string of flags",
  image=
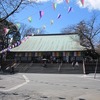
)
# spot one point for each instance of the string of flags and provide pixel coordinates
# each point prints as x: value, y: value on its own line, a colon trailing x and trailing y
x: 82, y: 2
x: 6, y: 30
x: 41, y: 14
x: 14, y: 45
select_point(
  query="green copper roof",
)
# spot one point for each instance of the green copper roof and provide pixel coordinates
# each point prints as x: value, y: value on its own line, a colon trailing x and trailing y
x: 50, y: 43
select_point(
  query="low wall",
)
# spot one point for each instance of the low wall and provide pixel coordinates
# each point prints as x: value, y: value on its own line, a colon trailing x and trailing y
x: 90, y: 67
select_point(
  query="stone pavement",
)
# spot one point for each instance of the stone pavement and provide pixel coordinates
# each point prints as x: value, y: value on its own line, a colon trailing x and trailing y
x: 7, y: 81
x: 23, y: 86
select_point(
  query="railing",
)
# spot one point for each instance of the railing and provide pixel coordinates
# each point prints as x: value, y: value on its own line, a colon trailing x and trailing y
x: 60, y: 65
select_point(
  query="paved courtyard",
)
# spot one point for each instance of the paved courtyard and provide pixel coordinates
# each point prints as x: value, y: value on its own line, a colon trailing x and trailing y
x: 23, y: 86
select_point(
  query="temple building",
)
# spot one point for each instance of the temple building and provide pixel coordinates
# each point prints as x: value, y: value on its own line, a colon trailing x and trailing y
x: 53, y: 47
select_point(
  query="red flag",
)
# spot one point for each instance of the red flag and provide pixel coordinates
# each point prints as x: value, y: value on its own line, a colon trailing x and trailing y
x: 82, y: 2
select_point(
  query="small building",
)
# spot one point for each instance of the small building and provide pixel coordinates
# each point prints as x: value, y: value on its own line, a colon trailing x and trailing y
x: 53, y: 47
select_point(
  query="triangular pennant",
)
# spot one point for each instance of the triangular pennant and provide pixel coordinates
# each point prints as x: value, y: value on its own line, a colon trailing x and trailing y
x: 6, y: 30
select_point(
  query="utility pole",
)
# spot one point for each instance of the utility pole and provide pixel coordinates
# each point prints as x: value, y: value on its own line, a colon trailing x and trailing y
x: 96, y: 68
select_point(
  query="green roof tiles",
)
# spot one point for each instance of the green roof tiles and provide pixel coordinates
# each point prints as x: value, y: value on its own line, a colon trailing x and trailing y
x: 50, y: 43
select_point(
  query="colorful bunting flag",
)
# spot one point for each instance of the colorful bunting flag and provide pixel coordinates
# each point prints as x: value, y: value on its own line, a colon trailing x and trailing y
x: 54, y: 5
x: 69, y: 9
x: 82, y: 2
x: 30, y: 19
x: 59, y: 15
x: 41, y: 14
x: 67, y: 1
x: 18, y: 25
x: 44, y: 27
x: 8, y: 49
x: 51, y: 22
x: 14, y: 45
x: 66, y: 53
x: 77, y: 53
x: 18, y: 42
x: 6, y: 30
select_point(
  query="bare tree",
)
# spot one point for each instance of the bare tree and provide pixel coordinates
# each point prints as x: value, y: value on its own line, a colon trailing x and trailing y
x: 7, y: 9
x: 88, y: 31
x: 10, y: 7
x: 98, y: 48
x: 29, y: 30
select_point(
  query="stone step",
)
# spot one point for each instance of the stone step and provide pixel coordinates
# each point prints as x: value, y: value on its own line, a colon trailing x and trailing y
x: 50, y: 68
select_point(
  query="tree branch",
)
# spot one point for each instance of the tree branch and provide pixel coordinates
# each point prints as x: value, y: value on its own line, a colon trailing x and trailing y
x: 12, y: 11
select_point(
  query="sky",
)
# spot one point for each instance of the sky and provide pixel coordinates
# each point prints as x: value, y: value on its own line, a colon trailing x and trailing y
x: 78, y: 13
